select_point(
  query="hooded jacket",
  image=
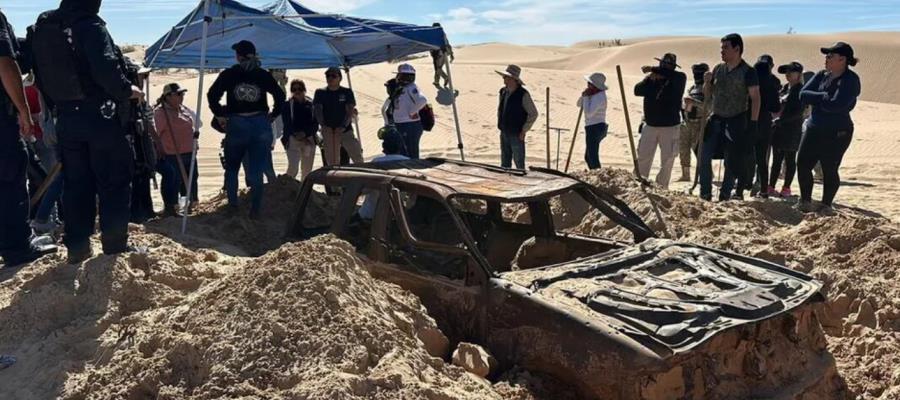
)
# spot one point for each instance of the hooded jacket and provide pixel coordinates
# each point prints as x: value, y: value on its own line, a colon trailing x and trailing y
x: 102, y: 69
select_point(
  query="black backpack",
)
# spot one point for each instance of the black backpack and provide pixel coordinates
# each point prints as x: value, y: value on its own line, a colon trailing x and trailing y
x: 54, y: 61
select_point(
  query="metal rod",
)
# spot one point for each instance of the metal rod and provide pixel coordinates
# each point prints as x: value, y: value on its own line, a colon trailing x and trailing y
x: 459, y: 139
x: 355, y: 117
x: 548, y: 127
x: 199, y: 111
x: 574, y: 136
x: 637, y: 170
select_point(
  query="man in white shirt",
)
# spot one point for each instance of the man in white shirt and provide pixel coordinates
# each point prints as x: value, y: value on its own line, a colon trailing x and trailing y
x: 391, y: 144
x: 402, y: 110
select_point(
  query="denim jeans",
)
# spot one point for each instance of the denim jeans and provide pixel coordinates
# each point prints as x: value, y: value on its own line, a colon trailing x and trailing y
x: 412, y: 135
x: 736, y: 151
x: 250, y: 138
x: 512, y: 149
x: 173, y: 184
x: 594, y: 134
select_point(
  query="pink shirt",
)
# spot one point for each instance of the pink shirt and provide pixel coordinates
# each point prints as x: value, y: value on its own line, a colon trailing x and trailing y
x: 176, y: 135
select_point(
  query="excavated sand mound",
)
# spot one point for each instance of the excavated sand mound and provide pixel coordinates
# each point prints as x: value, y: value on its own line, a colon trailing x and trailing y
x: 855, y: 253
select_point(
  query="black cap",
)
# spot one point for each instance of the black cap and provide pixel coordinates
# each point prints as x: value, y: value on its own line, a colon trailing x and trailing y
x: 843, y: 49
x: 244, y: 48
x: 792, y: 66
x: 766, y: 59
x: 701, y: 67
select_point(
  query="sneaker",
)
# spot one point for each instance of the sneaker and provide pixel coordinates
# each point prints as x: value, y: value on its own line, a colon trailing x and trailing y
x: 805, y: 206
x: 34, y: 253
x: 44, y: 227
x: 826, y: 209
x: 785, y: 192
x: 771, y: 191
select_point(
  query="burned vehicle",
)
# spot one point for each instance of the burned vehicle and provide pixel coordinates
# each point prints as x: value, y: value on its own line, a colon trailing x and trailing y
x: 494, y: 256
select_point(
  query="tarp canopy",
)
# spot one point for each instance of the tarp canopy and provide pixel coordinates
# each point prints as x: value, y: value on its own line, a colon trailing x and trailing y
x: 290, y: 36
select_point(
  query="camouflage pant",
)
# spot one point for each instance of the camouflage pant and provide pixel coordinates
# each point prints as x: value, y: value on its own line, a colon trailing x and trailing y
x: 688, y: 141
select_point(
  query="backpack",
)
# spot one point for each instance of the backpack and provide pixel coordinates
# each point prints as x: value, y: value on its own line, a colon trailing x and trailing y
x: 426, y: 116
x: 54, y: 62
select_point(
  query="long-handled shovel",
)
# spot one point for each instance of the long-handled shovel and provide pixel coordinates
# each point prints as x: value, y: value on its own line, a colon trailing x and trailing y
x: 574, y: 136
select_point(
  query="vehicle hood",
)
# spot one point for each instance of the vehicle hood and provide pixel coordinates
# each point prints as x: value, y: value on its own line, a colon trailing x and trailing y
x: 669, y: 296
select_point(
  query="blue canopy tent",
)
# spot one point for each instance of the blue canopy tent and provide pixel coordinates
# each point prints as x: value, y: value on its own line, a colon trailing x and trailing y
x: 288, y: 36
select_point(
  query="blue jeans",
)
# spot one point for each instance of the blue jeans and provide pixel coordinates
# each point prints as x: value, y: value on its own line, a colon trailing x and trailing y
x: 172, y: 183
x: 736, y: 151
x: 594, y: 134
x: 249, y: 137
x: 412, y: 134
x: 512, y: 149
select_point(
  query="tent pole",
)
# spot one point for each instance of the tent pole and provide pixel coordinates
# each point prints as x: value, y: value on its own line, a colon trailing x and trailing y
x: 199, y: 112
x: 355, y: 118
x: 459, y: 139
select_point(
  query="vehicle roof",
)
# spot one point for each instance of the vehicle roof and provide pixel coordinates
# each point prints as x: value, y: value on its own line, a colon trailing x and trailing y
x: 453, y: 177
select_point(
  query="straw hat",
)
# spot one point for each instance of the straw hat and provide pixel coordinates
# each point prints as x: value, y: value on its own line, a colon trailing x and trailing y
x: 513, y: 71
x: 597, y: 79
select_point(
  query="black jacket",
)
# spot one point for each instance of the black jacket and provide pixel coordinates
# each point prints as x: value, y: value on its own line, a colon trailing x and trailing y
x: 102, y: 68
x: 769, y: 87
x: 662, y: 98
x: 302, y: 119
x: 246, y: 92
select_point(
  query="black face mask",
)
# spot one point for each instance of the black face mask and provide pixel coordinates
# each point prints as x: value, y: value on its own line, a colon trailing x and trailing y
x: 85, y: 6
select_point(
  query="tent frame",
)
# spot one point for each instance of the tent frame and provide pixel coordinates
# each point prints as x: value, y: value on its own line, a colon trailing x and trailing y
x: 208, y: 20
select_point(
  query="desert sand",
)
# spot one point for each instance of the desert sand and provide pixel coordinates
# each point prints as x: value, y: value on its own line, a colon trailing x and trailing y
x: 231, y: 310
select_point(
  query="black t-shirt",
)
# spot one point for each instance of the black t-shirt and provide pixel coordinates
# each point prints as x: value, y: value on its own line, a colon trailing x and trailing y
x: 246, y: 92
x: 334, y: 106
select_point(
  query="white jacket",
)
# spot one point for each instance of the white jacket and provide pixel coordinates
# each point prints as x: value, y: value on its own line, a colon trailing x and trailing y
x: 407, y: 105
x: 594, y: 108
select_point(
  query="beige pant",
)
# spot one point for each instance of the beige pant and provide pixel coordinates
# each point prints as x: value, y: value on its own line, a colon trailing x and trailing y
x: 334, y: 139
x: 666, y: 138
x: 301, y: 153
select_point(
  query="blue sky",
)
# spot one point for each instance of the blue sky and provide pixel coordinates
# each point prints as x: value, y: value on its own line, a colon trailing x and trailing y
x: 531, y: 21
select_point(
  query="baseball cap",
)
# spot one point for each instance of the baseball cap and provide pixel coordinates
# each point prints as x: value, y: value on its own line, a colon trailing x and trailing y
x: 406, y: 69
x: 244, y: 48
x: 843, y: 49
x: 792, y: 66
x: 173, y: 88
x: 766, y: 59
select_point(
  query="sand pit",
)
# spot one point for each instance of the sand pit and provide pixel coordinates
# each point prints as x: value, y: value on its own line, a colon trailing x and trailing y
x: 855, y: 253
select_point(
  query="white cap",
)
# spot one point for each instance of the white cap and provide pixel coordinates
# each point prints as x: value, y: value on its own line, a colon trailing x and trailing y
x: 406, y: 69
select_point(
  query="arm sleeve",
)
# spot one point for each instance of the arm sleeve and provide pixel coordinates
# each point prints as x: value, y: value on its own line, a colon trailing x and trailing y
x: 531, y: 110
x: 809, y: 95
x: 643, y: 87
x: 286, y: 124
x: 6, y: 38
x: 845, y: 96
x: 793, y: 109
x: 421, y: 100
x: 215, y: 93
x: 277, y: 93
x: 313, y: 125
x: 106, y: 70
x: 751, y: 79
x: 580, y: 102
x: 675, y: 92
x: 159, y: 119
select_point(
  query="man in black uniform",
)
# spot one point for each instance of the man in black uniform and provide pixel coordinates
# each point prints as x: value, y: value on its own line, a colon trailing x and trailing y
x: 80, y: 71
x: 17, y: 242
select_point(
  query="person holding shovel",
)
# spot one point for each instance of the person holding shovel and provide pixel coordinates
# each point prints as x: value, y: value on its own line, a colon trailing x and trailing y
x: 593, y: 101
x: 175, y: 129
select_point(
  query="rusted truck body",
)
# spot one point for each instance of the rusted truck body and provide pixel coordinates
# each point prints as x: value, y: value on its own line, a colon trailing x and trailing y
x: 494, y: 255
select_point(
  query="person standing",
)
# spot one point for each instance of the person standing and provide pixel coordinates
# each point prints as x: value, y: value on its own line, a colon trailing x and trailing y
x: 662, y: 90
x: 695, y: 111
x: 18, y: 244
x: 403, y: 108
x: 733, y: 89
x: 300, y: 128
x: 769, y: 87
x: 335, y: 106
x: 593, y: 101
x: 832, y: 93
x: 441, y: 58
x: 247, y: 120
x: 788, y: 129
x: 516, y: 115
x: 90, y: 90
x: 175, y: 140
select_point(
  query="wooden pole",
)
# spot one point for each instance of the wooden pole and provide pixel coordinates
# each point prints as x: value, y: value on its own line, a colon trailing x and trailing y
x: 637, y: 170
x: 574, y: 136
x: 548, y: 127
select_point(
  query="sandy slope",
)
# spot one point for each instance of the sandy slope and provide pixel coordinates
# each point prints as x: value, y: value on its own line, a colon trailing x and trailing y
x: 870, y: 166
